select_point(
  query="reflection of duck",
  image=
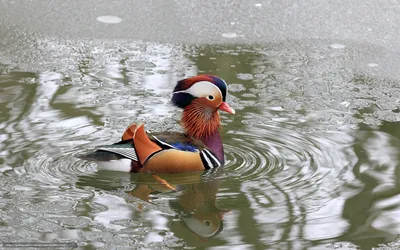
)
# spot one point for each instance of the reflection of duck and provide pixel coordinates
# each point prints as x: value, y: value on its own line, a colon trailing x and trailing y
x: 196, y: 204
x: 199, y: 148
x: 200, y: 213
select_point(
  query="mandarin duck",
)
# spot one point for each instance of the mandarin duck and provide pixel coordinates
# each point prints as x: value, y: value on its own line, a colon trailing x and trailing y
x: 198, y: 148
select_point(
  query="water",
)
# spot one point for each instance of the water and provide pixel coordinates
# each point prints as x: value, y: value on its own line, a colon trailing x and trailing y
x: 312, y: 152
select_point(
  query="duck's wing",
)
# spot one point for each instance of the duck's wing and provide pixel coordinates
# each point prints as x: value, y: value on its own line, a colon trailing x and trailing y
x: 177, y: 140
x: 124, y: 148
x: 180, y: 141
x: 135, y: 145
x: 166, y: 140
x: 116, y: 151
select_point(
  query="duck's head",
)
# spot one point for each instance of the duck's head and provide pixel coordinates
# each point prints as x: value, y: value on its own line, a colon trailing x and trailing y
x: 201, y: 97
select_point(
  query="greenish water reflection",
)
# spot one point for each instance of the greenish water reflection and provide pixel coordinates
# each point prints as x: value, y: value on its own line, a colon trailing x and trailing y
x: 312, y: 153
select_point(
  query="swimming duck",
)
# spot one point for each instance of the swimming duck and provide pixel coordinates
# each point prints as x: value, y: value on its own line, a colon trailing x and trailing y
x: 198, y: 148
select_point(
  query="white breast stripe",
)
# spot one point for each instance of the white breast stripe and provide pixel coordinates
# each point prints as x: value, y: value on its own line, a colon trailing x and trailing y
x: 212, y: 157
x: 127, y: 152
x: 210, y: 165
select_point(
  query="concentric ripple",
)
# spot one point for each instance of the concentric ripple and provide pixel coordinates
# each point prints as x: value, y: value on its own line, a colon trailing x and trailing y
x: 285, y: 185
x: 293, y: 160
x: 57, y: 169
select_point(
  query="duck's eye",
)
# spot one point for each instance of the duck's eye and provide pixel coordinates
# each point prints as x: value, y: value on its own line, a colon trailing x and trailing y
x: 210, y: 97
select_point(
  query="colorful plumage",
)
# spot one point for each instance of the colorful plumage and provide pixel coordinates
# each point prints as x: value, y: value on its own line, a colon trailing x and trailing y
x: 199, y: 148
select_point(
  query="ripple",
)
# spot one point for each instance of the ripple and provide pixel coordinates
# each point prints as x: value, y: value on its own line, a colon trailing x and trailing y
x: 45, y: 206
x: 294, y: 180
x: 57, y: 169
x: 288, y: 160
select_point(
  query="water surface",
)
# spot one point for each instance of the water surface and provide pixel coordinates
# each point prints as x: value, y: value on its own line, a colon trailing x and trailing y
x: 312, y: 152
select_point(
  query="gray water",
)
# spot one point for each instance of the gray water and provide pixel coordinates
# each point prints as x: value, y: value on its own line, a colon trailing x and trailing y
x: 312, y: 151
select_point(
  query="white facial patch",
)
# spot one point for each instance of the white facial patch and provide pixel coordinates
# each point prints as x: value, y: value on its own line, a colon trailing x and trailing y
x: 202, y: 89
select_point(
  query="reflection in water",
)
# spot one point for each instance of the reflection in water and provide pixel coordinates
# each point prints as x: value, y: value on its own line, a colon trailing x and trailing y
x: 312, y: 153
x: 195, y: 205
x: 372, y: 212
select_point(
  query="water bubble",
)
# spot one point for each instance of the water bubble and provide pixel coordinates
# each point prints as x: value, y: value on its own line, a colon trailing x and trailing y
x: 245, y: 76
x: 109, y: 19
x: 230, y: 35
x: 337, y: 46
x: 235, y: 87
x: 345, y: 103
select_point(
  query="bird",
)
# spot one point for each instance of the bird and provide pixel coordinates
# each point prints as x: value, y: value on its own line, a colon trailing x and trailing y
x: 198, y: 148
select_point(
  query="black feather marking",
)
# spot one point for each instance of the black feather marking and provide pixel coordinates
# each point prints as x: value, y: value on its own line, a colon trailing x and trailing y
x: 129, y: 153
x: 100, y: 156
x: 213, y: 159
x: 206, y: 161
x: 182, y: 99
x: 161, y: 143
x: 221, y: 84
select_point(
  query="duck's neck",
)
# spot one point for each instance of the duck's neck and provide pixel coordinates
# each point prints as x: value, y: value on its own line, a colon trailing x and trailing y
x: 202, y: 123
x: 214, y: 143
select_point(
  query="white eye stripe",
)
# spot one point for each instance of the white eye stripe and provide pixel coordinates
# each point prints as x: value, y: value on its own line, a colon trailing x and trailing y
x: 201, y: 89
